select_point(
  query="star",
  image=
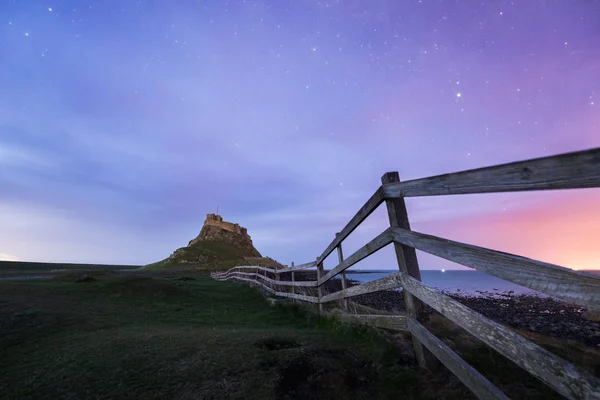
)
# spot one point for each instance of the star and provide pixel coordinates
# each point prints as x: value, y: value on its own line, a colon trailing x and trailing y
x: 50, y: 9
x: 459, y: 94
x: 26, y: 33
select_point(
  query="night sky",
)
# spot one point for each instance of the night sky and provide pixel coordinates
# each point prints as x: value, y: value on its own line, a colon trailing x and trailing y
x: 123, y: 123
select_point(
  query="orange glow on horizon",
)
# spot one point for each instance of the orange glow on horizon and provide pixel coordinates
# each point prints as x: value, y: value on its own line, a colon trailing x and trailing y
x: 564, y: 231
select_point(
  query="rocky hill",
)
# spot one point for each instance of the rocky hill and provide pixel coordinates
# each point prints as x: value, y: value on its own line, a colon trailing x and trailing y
x: 220, y: 244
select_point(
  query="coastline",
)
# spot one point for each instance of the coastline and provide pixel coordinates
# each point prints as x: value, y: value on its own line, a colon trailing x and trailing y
x: 532, y: 312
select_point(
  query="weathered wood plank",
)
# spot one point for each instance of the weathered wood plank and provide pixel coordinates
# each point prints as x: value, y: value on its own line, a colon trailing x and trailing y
x: 343, y: 274
x: 251, y: 267
x: 553, y: 280
x: 405, y: 256
x: 293, y: 277
x: 374, y: 201
x: 385, y: 283
x: 298, y: 267
x: 320, y: 287
x: 239, y: 278
x: 374, y: 245
x: 575, y: 170
x: 557, y: 373
x: 398, y: 217
x: 272, y: 270
x: 310, y: 299
x: 392, y: 322
x: 479, y: 385
x: 273, y: 281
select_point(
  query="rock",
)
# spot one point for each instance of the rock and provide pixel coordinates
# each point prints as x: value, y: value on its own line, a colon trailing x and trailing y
x: 215, y: 229
x: 86, y: 278
x: 591, y: 315
x: 544, y: 315
x: 272, y: 302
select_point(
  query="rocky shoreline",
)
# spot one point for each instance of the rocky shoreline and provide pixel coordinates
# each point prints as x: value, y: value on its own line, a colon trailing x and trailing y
x: 532, y: 313
x: 535, y: 313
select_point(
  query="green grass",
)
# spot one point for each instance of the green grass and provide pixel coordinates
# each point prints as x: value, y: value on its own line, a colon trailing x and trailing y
x: 181, y: 335
x: 215, y: 265
x: 27, y: 267
x: 216, y: 251
x: 174, y: 336
x: 214, y: 255
x: 210, y: 252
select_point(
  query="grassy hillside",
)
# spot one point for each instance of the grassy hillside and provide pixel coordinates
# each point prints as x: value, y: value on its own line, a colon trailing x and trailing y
x: 214, y: 255
x: 213, y: 251
x: 216, y: 265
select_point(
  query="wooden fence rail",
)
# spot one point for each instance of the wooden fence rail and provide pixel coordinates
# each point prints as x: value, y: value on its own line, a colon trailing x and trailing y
x: 576, y: 170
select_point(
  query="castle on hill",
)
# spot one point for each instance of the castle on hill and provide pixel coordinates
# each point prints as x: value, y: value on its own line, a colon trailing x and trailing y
x: 217, y: 230
x: 234, y: 247
x: 217, y: 220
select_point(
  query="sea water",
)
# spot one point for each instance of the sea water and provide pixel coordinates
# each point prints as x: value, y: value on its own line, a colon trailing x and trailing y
x: 469, y: 282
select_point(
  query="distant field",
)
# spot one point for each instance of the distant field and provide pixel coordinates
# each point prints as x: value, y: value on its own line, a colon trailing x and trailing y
x: 39, y: 266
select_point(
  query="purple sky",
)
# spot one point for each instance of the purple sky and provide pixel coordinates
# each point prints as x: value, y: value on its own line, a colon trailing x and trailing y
x: 123, y: 123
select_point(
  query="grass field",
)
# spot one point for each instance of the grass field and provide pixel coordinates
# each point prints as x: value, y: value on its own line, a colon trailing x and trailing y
x: 41, y: 266
x: 114, y: 336
x: 181, y: 335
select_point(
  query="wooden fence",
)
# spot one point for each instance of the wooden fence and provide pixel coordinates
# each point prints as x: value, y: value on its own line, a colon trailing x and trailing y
x: 566, y: 171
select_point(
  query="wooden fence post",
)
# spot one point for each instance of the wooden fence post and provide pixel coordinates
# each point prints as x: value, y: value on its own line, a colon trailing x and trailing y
x: 407, y: 258
x: 319, y: 275
x: 293, y: 280
x: 340, y: 259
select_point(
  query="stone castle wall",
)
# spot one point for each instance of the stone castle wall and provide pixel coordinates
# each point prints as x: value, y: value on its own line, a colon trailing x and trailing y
x: 217, y: 220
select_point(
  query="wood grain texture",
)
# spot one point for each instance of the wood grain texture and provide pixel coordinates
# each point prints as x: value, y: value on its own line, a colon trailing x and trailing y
x: 556, y: 281
x: 320, y: 288
x: 565, y: 171
x: 374, y: 201
x: 293, y: 277
x: 250, y: 267
x: 557, y: 373
x: 270, y: 280
x: 340, y: 253
x: 385, y: 283
x: 392, y: 322
x: 406, y: 257
x: 398, y: 217
x: 274, y: 271
x: 374, y: 245
x: 298, y: 267
x: 309, y: 299
x: 477, y: 383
